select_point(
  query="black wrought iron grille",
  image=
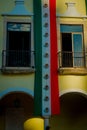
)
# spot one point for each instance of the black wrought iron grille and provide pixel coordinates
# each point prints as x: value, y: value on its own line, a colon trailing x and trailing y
x: 15, y: 58
x: 71, y: 59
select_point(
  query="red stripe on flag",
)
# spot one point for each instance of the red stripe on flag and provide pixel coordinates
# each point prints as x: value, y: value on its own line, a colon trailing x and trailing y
x: 55, y: 107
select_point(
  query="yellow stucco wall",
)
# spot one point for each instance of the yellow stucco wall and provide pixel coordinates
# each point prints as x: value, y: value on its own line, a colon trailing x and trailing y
x: 80, y: 6
x: 72, y: 83
x: 14, y: 81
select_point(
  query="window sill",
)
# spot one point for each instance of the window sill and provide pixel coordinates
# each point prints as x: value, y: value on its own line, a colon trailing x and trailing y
x: 72, y: 71
x: 17, y: 70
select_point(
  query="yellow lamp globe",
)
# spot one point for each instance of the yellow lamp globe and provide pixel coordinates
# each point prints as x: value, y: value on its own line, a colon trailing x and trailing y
x: 34, y: 124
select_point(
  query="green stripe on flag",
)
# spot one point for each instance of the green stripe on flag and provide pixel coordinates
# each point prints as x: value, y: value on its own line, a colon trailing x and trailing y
x: 38, y: 58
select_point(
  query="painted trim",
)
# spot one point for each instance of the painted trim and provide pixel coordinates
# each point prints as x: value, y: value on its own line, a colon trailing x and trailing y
x: 16, y: 89
x: 19, y: 10
x: 70, y: 28
x: 76, y: 17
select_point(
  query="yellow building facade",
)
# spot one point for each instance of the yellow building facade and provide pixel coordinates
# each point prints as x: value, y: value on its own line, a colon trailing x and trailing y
x: 17, y: 75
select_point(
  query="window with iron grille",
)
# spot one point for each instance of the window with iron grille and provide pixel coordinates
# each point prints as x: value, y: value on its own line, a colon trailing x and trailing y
x: 72, y: 54
x: 18, y: 52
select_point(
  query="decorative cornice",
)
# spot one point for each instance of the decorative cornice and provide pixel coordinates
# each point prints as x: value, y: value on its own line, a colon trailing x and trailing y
x: 19, y: 10
x: 71, y: 11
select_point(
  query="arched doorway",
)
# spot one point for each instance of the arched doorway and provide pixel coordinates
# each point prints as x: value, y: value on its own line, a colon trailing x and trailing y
x: 15, y: 108
x: 73, y: 113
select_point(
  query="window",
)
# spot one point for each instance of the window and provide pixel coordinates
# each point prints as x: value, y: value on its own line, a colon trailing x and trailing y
x: 18, y: 49
x: 71, y: 54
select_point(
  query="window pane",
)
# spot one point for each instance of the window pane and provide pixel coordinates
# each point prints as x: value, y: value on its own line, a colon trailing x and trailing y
x: 71, y: 28
x: 18, y: 53
x: 66, y: 49
x: 78, y: 53
x: 71, y: 46
x: 18, y: 27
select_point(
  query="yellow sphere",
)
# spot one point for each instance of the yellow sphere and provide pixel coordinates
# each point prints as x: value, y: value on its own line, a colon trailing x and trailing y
x: 34, y: 124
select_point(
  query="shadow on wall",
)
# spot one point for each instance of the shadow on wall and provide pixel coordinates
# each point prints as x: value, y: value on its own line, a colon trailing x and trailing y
x: 73, y: 115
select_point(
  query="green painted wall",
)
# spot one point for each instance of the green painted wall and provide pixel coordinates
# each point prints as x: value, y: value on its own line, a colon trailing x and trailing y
x: 21, y: 81
x: 6, y: 7
x: 12, y: 81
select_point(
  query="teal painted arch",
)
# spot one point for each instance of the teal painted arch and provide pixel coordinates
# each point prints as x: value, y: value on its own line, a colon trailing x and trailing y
x: 16, y: 89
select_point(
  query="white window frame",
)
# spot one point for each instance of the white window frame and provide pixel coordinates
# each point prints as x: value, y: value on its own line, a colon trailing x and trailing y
x: 72, y: 43
x: 18, y: 20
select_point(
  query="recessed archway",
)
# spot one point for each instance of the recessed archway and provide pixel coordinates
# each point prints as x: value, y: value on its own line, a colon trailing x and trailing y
x: 15, y: 108
x: 73, y: 113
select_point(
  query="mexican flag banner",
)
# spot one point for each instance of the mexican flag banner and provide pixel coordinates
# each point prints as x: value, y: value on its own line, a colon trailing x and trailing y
x: 46, y: 93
